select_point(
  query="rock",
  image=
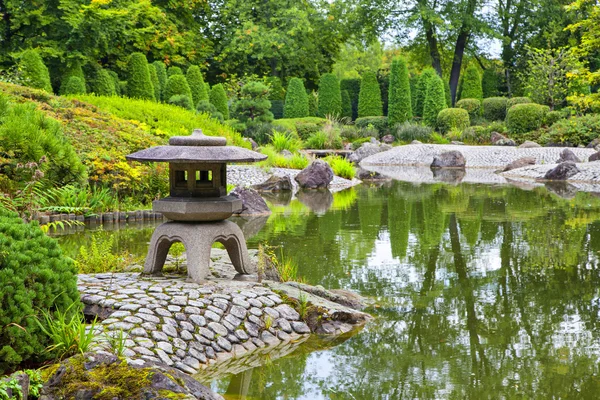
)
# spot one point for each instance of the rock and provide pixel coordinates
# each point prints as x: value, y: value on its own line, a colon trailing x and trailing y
x: 274, y: 184
x: 568, y: 156
x: 416, y: 142
x: 562, y: 171
x: 457, y: 143
x: 505, y: 142
x: 317, y: 175
x: 388, y: 139
x: 528, y: 144
x: 286, y: 153
x: 594, y: 144
x: 365, y: 175
x: 22, y: 381
x: 373, y: 141
x: 252, y: 203
x: 495, y: 136
x: 319, y: 201
x: 252, y: 143
x: 520, y: 163
x: 449, y: 159
x: 594, y: 157
x: 366, y: 150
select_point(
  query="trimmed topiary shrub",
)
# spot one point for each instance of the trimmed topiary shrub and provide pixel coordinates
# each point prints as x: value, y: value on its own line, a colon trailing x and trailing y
x: 554, y: 116
x: 74, y: 85
x: 453, y: 118
x: 296, y: 100
x: 422, y: 84
x: 207, y: 107
x: 174, y: 71
x: 34, y: 72
x: 352, y: 85
x: 494, y: 108
x: 304, y: 130
x: 523, y: 118
x: 399, y: 104
x: 517, y: 100
x: 73, y: 69
x: 139, y: 83
x: 102, y: 84
x: 35, y: 276
x: 435, y: 101
x: 181, y: 100
x: 447, y: 93
x: 330, y: 96
x: 575, y: 131
x: 471, y: 86
x: 115, y: 80
x: 378, y: 123
x: 177, y: 85
x: 473, y: 107
x: 490, y: 81
x: 414, y: 82
x: 346, y: 105
x: 369, y: 98
x: 161, y: 74
x: 313, y: 104
x: 196, y: 83
x: 218, y: 98
x: 155, y: 82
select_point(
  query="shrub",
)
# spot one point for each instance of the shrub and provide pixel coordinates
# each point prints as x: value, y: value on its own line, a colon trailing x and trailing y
x: 74, y: 85
x: 435, y: 101
x: 155, y: 82
x: 346, y: 105
x: 341, y: 166
x: 473, y: 107
x: 414, y: 83
x: 379, y: 123
x: 181, y: 100
x: 328, y: 138
x: 330, y: 96
x: 399, y: 104
x: 523, y: 118
x: 285, y: 141
x: 407, y: 132
x: 35, y: 276
x: 196, y: 83
x: 313, y: 104
x: 552, y: 117
x: 174, y: 71
x: 352, y: 85
x: 115, y: 80
x: 277, y: 108
x: 306, y: 129
x: 453, y: 118
x: 476, y: 135
x: 102, y: 83
x: 296, y: 125
x: 369, y: 98
x: 261, y: 132
x: 219, y: 99
x: 253, y: 104
x: 275, y: 159
x: 177, y: 86
x: 422, y: 85
x: 575, y: 131
x: 494, y: 108
x: 139, y: 85
x: 517, y: 100
x: 34, y: 72
x: 471, y: 86
x: 207, y: 107
x: 161, y: 74
x: 296, y: 100
x: 490, y: 81
x: 447, y: 93
x: 73, y: 69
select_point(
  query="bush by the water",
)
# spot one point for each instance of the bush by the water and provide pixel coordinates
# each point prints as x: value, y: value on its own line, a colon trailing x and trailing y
x: 494, y: 108
x: 378, y: 123
x: 435, y: 100
x: 369, y: 98
x: 407, y: 132
x: 341, y: 166
x: 139, y: 84
x: 575, y: 131
x: 330, y: 96
x: 527, y: 117
x: 453, y: 118
x: 196, y: 82
x: 34, y: 72
x: 517, y: 100
x: 473, y: 107
x: 471, y: 84
x: 296, y: 100
x: 35, y: 276
x: 399, y: 104
x: 177, y: 85
x: 74, y: 85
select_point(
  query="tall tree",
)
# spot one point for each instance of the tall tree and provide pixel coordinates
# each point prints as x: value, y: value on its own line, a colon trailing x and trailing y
x: 399, y: 105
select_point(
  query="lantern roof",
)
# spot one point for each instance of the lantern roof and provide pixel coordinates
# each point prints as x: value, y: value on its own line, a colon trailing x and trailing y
x: 197, y: 148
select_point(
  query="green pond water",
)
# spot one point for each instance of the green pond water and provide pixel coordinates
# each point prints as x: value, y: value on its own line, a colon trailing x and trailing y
x: 479, y: 292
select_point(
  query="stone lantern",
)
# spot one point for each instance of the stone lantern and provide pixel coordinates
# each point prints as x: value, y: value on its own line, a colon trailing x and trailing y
x: 198, y: 205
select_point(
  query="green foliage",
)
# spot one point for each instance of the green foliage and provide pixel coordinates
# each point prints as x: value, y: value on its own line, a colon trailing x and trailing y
x: 296, y: 100
x: 102, y: 256
x: 278, y: 160
x: 399, y: 104
x: 313, y: 104
x: 73, y: 69
x: 73, y: 85
x: 473, y: 106
x: 155, y: 82
x: 352, y: 85
x: 447, y: 93
x: 196, y: 83
x: 574, y: 131
x: 380, y: 124
x: 207, y: 107
x: 139, y: 83
x: 253, y: 104
x: 219, y: 99
x: 552, y: 117
x: 174, y: 70
x: 494, y: 108
x: 346, y: 105
x: 369, y: 98
x: 330, y: 96
x: 181, y: 100
x: 471, y: 85
x: 427, y: 75
x: 341, y: 166
x: 407, y: 132
x: 453, y: 118
x: 35, y: 276
x: 523, y: 118
x: 33, y: 71
x: 161, y: 74
x: 435, y: 101
x: 329, y: 137
x: 177, y: 85
x: 490, y: 82
x: 285, y: 141
x: 301, y: 126
x: 414, y: 83
x: 517, y: 100
x: 116, y: 83
x: 102, y: 83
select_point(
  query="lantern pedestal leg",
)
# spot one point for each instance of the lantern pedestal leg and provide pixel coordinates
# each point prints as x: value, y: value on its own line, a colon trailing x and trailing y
x: 197, y: 239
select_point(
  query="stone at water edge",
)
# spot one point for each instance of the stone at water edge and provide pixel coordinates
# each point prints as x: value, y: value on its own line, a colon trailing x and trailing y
x: 528, y: 144
x: 505, y: 142
x: 594, y: 157
x: 318, y: 175
x: 449, y: 159
x: 594, y: 144
x: 275, y: 183
x: 388, y: 139
x: 520, y: 163
x: 495, y: 136
x: 365, y: 175
x: 319, y: 201
x: 286, y: 153
x: 568, y: 155
x: 562, y: 171
x: 252, y: 202
x: 366, y: 150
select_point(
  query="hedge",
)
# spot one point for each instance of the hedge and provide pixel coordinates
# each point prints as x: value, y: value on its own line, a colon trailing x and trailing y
x: 155, y: 82
x: 378, y: 123
x: 422, y: 85
x: 73, y: 85
x: 296, y: 100
x: 346, y: 105
x: 473, y: 106
x: 313, y: 104
x: 471, y: 86
x: 103, y: 84
x: 161, y: 74
x: 177, y: 85
x: 435, y: 101
x: 196, y: 83
x: 453, y: 118
x: 115, y: 80
x: 517, y: 100
x: 523, y: 118
x: 330, y: 96
x: 218, y: 98
x: 399, y: 104
x: 369, y: 98
x: 352, y: 85
x: 139, y: 84
x: 34, y: 72
x: 494, y: 108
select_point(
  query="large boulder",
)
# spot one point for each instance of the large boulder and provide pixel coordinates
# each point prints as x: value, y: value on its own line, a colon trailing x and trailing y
x: 449, y: 159
x: 366, y: 150
x: 495, y: 136
x: 594, y: 157
x: 562, y: 171
x: 528, y: 144
x: 252, y: 143
x: 275, y: 183
x: 594, y: 144
x: 388, y: 139
x: 520, y: 163
x: 568, y: 156
x: 252, y: 202
x: 318, y: 175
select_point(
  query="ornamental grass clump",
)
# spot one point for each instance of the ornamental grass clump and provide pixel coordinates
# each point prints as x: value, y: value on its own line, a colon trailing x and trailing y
x: 285, y: 141
x: 35, y: 277
x: 341, y: 166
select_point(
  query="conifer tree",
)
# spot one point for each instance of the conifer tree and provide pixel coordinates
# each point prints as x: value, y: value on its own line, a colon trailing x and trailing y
x: 346, y: 105
x: 73, y: 69
x: 34, y: 71
x: 435, y: 100
x: 139, y: 83
x: 218, y: 98
x: 116, y: 82
x: 161, y: 74
x: 102, y: 84
x: 174, y: 71
x: 422, y: 84
x: 155, y: 81
x: 369, y: 98
x: 177, y: 85
x: 313, y: 104
x: 197, y: 85
x: 330, y: 96
x: 296, y: 100
x: 471, y: 86
x: 399, y: 103
x: 74, y: 85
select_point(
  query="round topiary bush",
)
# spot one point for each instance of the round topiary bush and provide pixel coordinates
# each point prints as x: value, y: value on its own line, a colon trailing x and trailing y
x: 399, y: 103
x: 330, y: 96
x: 177, y: 85
x: 523, y: 118
x: 450, y: 118
x: 369, y: 98
x: 296, y: 100
x: 139, y: 83
x: 553, y: 116
x: 435, y: 101
x: 517, y: 100
x: 218, y: 98
x: 35, y: 276
x: 473, y: 107
x: 73, y: 85
x: 34, y: 72
x: 196, y: 83
x: 422, y: 84
x: 494, y: 108
x: 181, y: 100
x: 471, y: 85
x: 161, y: 74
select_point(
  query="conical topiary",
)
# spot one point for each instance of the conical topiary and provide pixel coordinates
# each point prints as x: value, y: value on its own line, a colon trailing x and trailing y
x: 471, y: 85
x: 296, y: 100
x: 330, y: 96
x: 369, y: 98
x: 399, y: 103
x: 414, y: 82
x: 155, y: 82
x: 490, y: 81
x: 422, y: 84
x: 161, y: 74
x: 72, y: 69
x: 102, y: 84
x: 139, y: 83
x: 197, y: 86
x: 352, y: 85
x: 346, y: 105
x: 435, y: 100
x: 115, y: 79
x: 218, y: 98
x: 34, y: 71
x: 74, y: 85
x: 177, y: 86
x: 174, y: 71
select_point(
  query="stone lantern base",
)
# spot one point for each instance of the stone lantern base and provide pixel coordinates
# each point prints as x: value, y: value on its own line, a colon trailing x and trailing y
x: 198, y: 238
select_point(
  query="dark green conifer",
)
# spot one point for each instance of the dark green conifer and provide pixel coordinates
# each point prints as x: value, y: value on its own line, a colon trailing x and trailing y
x: 139, y: 83
x: 177, y: 85
x: 197, y: 85
x: 218, y: 98
x: 346, y: 105
x: 399, y: 104
x: 369, y: 98
x: 471, y: 86
x: 34, y: 72
x: 426, y: 76
x: 296, y: 100
x: 435, y: 100
x: 161, y: 74
x: 330, y: 96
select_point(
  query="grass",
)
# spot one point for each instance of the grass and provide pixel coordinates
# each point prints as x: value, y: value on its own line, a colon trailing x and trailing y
x: 100, y: 256
x: 341, y: 166
x: 285, y: 141
x: 277, y: 160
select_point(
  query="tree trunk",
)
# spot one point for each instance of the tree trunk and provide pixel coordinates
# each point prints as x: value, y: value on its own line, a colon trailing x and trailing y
x: 432, y: 43
x: 459, y: 49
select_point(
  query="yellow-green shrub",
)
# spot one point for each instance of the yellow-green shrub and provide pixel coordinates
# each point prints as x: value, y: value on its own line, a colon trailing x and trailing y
x: 453, y: 118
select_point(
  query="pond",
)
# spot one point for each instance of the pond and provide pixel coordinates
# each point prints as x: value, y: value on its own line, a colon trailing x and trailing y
x: 480, y: 291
